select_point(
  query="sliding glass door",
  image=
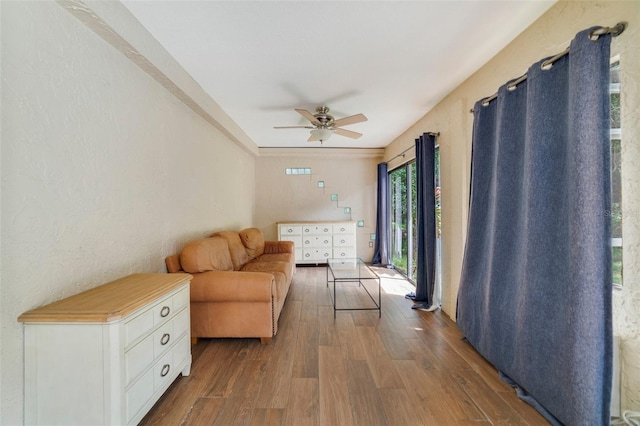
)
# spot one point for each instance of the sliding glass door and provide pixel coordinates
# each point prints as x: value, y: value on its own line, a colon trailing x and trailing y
x: 403, y: 196
x: 403, y: 219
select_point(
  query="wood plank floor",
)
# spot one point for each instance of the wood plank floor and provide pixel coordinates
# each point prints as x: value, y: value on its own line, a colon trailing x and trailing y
x: 405, y: 368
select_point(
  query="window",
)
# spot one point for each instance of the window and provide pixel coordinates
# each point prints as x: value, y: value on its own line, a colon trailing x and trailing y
x: 403, y: 193
x: 616, y: 168
x: 297, y: 171
x: 403, y: 196
x: 438, y: 283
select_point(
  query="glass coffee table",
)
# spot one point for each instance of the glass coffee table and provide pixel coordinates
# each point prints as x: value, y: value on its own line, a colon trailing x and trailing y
x: 353, y: 271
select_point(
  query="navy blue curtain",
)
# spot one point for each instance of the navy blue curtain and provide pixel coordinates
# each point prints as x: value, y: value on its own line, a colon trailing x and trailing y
x: 426, y: 271
x: 535, y: 290
x: 381, y: 249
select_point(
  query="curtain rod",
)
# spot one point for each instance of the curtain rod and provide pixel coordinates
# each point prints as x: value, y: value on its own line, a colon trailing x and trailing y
x: 436, y: 134
x: 594, y: 35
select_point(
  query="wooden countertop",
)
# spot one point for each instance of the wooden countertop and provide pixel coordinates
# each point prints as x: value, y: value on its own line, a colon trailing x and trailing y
x: 108, y: 302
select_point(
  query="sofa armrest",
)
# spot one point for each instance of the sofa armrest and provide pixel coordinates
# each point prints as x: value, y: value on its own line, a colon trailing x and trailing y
x: 232, y: 286
x: 271, y: 247
x: 173, y: 263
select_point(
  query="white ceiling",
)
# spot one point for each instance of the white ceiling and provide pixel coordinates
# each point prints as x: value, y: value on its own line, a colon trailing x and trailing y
x: 390, y: 60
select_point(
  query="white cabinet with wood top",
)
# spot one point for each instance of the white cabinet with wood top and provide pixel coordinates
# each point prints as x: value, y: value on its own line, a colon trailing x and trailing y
x: 105, y: 356
x: 315, y: 242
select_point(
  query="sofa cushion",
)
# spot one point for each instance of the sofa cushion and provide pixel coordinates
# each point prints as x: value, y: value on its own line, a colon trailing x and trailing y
x: 253, y: 240
x: 281, y: 272
x: 276, y: 257
x: 236, y: 249
x: 207, y: 254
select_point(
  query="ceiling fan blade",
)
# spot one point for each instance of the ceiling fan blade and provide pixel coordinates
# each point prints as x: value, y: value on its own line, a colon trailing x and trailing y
x: 348, y: 133
x: 306, y: 114
x: 353, y: 119
x: 294, y: 127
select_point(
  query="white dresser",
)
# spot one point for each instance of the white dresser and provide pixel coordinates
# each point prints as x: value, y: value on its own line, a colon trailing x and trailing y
x: 105, y: 356
x: 315, y: 242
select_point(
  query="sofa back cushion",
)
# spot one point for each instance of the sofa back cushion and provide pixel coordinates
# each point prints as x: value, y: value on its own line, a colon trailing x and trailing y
x: 207, y: 254
x: 253, y: 241
x: 236, y: 249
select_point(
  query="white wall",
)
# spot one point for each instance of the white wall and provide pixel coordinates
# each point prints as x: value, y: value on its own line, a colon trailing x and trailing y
x: 547, y: 36
x: 351, y: 174
x: 104, y: 171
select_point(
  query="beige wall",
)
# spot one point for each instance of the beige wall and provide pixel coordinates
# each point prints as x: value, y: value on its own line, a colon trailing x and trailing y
x: 104, y: 171
x: 451, y: 117
x: 352, y: 174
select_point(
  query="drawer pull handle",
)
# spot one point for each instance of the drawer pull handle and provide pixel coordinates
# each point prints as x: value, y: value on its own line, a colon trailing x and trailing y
x: 342, y: 229
x: 342, y: 241
x: 343, y: 254
x: 165, y: 311
x: 289, y: 230
x: 165, y: 339
x: 165, y: 370
x: 326, y: 230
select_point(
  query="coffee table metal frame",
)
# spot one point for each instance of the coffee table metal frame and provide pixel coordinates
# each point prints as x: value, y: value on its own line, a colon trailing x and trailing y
x: 352, y: 270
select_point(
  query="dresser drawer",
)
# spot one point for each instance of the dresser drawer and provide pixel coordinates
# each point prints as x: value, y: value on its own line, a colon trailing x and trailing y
x: 142, y: 355
x: 138, y: 327
x: 317, y: 241
x: 316, y: 255
x: 138, y: 358
x: 343, y: 229
x: 167, y: 308
x: 290, y: 230
x: 344, y: 241
x: 156, y: 314
x: 316, y: 229
x: 168, y: 367
x: 344, y: 253
x: 138, y: 395
x: 164, y: 371
x: 165, y: 336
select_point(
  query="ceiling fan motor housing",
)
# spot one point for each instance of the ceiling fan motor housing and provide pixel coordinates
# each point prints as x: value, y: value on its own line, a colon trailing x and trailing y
x: 323, y: 116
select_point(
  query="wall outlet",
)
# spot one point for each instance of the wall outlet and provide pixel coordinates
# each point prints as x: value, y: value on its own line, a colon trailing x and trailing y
x: 370, y: 243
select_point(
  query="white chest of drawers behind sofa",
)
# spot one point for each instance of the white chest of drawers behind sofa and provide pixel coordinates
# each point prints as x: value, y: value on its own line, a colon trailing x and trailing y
x: 315, y: 242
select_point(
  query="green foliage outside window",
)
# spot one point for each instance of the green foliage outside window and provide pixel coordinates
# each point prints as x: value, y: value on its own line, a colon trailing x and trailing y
x: 616, y: 174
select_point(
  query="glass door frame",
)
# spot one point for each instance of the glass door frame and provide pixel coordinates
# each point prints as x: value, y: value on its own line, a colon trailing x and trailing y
x: 407, y: 264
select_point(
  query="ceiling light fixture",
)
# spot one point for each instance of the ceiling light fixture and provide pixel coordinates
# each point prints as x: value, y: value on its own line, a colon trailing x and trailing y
x: 322, y: 134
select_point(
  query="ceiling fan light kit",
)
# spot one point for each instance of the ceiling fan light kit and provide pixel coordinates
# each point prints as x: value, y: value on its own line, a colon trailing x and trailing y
x: 320, y: 135
x: 324, y: 125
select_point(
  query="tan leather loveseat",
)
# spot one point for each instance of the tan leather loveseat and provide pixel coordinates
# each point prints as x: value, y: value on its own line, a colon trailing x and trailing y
x: 240, y: 283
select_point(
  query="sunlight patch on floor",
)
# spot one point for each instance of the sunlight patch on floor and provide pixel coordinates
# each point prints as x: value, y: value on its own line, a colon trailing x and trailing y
x: 393, y: 283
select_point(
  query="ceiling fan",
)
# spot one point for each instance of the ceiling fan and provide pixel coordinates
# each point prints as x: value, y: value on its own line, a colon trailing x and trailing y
x: 324, y: 125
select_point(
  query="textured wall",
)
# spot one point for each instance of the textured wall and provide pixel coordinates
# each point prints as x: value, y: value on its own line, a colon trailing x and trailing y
x: 547, y: 36
x: 351, y: 175
x: 104, y: 172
